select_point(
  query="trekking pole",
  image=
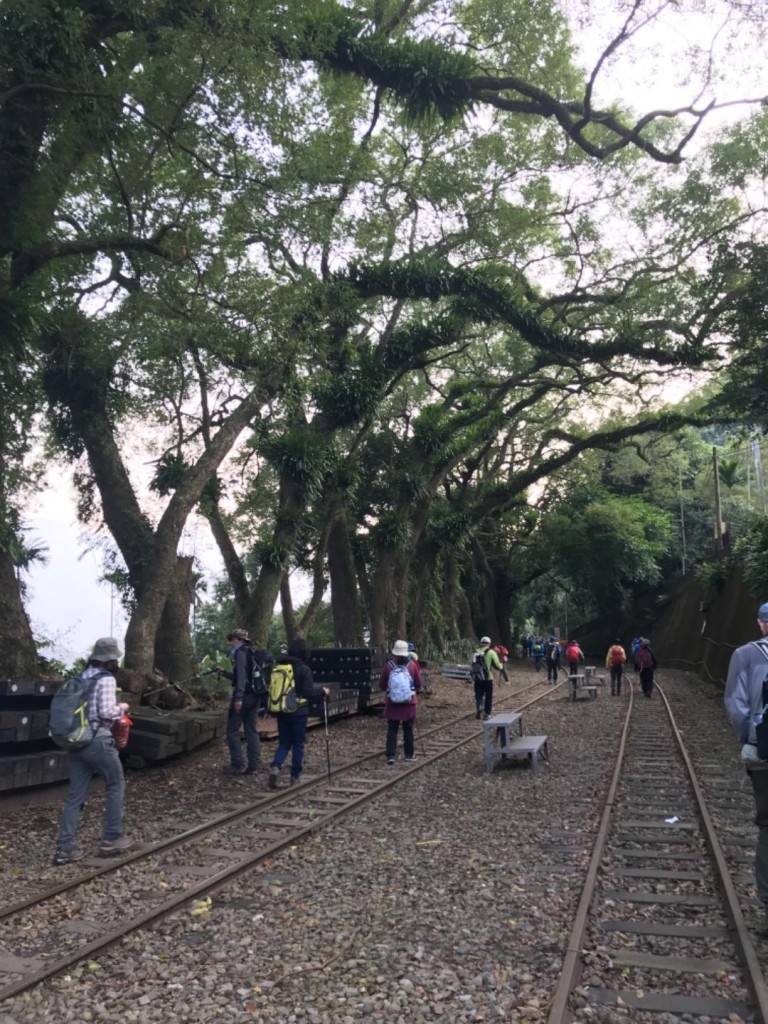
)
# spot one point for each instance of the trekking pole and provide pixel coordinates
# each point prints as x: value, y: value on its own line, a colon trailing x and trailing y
x: 327, y: 737
x: 419, y: 736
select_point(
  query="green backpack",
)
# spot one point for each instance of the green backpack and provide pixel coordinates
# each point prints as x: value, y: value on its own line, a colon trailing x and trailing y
x: 283, y: 699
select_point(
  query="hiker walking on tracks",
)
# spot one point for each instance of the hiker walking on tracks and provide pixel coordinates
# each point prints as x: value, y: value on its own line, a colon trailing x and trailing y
x: 96, y: 756
x: 614, y: 662
x: 746, y: 693
x: 250, y: 679
x: 291, y: 687
x: 573, y: 655
x: 484, y: 661
x: 552, y: 659
x: 401, y: 679
x: 645, y: 663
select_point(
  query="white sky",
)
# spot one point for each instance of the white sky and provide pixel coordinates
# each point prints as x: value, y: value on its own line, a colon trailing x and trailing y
x: 66, y: 603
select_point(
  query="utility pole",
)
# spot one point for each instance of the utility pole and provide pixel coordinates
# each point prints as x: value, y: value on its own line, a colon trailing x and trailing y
x: 718, y: 506
x: 682, y: 520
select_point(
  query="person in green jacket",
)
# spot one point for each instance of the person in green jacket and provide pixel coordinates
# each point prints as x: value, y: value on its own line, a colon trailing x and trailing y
x: 484, y: 660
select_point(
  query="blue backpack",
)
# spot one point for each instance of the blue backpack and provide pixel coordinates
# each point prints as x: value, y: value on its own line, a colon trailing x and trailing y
x: 68, y: 724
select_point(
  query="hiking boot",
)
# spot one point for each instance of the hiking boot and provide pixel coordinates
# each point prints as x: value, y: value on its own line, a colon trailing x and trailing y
x: 485, y: 717
x: 66, y: 857
x: 252, y: 769
x: 409, y: 759
x: 272, y: 778
x: 109, y: 847
x: 390, y: 760
x: 478, y: 714
x: 293, y: 780
x: 232, y: 769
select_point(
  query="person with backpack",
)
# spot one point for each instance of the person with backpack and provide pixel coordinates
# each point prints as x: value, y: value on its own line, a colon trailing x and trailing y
x: 614, y: 661
x: 645, y: 663
x: 401, y: 679
x: 81, y: 718
x: 538, y: 653
x: 746, y: 698
x: 484, y: 661
x: 250, y: 680
x: 291, y: 688
x: 573, y: 655
x: 635, y: 648
x: 552, y: 659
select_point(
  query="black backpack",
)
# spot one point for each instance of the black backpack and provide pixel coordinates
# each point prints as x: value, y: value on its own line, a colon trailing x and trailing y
x: 478, y: 669
x: 260, y: 664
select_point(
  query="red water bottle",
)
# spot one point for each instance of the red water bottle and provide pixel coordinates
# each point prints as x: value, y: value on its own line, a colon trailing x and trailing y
x: 121, y: 731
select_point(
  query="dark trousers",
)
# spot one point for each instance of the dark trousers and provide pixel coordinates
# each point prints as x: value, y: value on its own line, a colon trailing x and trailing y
x: 573, y: 668
x: 758, y: 776
x: 646, y: 680
x: 291, y: 735
x: 484, y: 695
x: 553, y: 668
x: 246, y: 717
x: 392, y: 738
x: 537, y: 661
x: 616, y: 674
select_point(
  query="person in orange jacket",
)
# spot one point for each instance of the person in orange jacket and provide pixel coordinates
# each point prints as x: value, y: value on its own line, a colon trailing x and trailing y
x: 614, y: 661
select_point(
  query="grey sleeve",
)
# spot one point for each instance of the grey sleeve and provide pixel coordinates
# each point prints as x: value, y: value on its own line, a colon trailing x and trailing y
x: 737, y: 700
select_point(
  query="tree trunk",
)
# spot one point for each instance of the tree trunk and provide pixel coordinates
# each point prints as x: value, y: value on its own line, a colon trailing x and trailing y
x: 381, y: 597
x: 426, y: 563
x: 345, y: 606
x: 232, y: 563
x: 264, y: 595
x: 286, y: 603
x: 18, y: 654
x: 488, y: 623
x: 174, y: 652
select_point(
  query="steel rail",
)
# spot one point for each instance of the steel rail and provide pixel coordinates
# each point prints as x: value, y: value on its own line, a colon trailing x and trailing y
x: 197, y: 831
x: 559, y: 1012
x: 246, y: 862
x: 741, y: 937
x: 572, y: 965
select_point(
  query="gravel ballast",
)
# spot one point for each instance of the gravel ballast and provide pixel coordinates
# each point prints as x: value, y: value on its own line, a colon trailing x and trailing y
x: 451, y: 898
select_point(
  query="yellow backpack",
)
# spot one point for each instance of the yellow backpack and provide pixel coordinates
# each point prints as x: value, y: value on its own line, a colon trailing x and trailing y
x: 283, y: 699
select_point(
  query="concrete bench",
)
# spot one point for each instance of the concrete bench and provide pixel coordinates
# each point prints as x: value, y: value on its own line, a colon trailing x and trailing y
x: 531, y: 747
x: 581, y: 684
x: 461, y: 672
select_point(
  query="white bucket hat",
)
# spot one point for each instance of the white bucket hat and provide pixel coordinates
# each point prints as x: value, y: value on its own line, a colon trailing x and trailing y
x: 485, y: 639
x: 400, y: 648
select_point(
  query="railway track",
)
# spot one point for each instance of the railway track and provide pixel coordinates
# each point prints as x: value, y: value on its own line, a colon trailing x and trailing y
x: 661, y: 919
x: 50, y: 931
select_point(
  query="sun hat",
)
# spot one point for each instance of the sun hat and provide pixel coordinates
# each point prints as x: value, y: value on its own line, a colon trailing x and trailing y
x: 106, y: 649
x: 239, y: 634
x: 485, y: 639
x: 400, y: 648
x: 762, y: 612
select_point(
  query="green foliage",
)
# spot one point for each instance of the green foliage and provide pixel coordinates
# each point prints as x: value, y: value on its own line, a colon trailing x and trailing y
x: 300, y: 454
x: 169, y: 473
x: 751, y: 555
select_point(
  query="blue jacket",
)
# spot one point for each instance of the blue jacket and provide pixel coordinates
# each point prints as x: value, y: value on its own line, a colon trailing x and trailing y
x: 744, y: 688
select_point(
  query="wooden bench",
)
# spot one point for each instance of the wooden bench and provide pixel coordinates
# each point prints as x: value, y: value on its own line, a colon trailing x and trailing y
x: 531, y: 747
